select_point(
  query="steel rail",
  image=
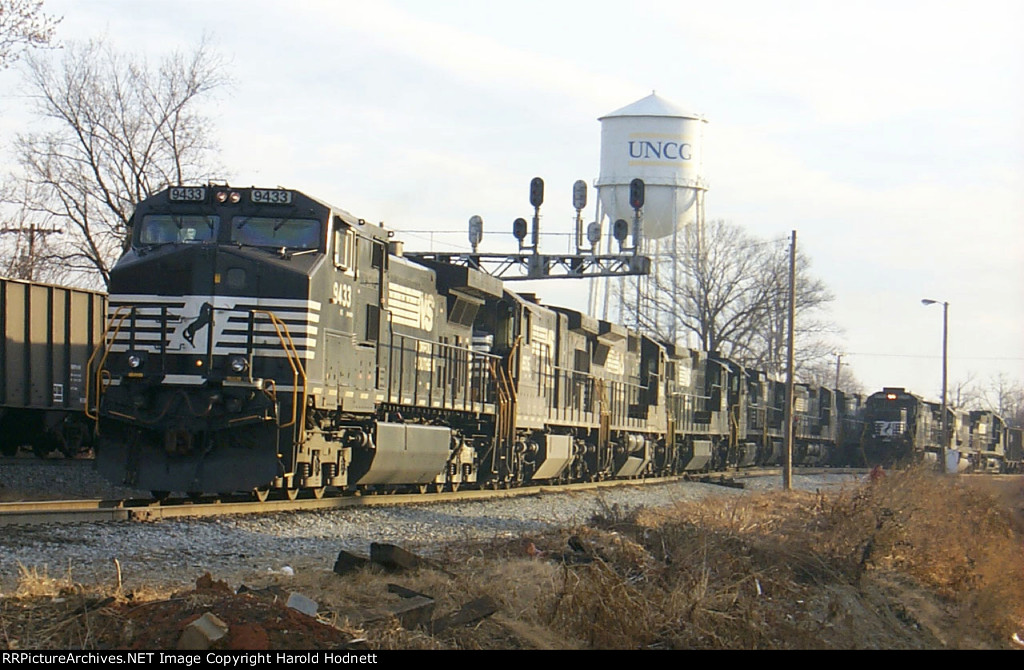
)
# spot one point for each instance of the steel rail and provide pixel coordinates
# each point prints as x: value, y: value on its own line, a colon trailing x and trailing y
x: 91, y: 511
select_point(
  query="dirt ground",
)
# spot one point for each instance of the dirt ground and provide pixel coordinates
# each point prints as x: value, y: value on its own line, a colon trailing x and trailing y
x: 876, y: 568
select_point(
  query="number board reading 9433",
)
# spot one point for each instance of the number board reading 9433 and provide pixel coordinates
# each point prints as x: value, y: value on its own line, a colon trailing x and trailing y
x: 188, y: 194
x: 266, y: 196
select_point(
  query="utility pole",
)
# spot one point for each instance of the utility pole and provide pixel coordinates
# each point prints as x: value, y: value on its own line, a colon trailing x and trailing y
x: 945, y: 420
x: 32, y: 232
x: 787, y: 469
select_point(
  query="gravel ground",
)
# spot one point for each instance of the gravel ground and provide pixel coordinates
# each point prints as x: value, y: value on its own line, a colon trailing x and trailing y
x: 241, y: 548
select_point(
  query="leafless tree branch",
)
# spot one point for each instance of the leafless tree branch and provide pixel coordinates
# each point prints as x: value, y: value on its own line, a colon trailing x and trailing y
x: 116, y: 130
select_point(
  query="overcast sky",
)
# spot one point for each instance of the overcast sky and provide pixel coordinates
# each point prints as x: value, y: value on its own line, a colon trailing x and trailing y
x: 889, y: 135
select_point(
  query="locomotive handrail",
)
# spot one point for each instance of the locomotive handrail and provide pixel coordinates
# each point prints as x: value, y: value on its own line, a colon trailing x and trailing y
x: 292, y: 356
x: 105, y: 345
x: 400, y: 342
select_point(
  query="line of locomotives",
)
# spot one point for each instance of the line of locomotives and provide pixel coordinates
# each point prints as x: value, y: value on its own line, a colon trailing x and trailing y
x: 261, y: 339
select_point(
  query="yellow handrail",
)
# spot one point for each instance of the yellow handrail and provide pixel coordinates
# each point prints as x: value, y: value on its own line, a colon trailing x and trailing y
x: 292, y: 355
x: 104, y: 345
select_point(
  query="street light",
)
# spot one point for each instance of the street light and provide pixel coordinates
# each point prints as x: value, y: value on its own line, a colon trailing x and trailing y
x: 945, y: 332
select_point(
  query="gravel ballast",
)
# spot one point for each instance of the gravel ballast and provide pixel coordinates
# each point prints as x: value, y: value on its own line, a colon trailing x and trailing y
x: 237, y: 548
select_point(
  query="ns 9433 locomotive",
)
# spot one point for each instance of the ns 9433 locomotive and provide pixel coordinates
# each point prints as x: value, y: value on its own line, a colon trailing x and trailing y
x: 261, y: 338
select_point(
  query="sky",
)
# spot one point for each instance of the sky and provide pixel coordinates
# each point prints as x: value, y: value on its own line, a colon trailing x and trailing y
x: 888, y: 135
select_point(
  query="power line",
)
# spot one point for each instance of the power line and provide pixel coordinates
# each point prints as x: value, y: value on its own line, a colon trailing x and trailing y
x: 960, y: 358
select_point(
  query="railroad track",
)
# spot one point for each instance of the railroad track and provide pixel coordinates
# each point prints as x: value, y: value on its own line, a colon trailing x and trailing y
x: 82, y: 511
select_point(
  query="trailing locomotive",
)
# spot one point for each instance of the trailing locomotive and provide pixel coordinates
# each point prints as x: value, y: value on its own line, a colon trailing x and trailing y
x: 262, y: 339
x: 46, y: 336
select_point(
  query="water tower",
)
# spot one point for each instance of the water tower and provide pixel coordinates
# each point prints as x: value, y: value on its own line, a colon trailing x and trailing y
x: 662, y: 144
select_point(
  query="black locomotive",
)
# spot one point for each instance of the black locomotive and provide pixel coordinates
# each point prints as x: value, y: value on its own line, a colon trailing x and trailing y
x: 260, y: 338
x: 901, y: 426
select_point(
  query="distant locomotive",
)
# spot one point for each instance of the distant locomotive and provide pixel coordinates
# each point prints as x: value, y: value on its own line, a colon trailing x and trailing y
x: 261, y: 339
x: 46, y: 336
x: 901, y: 426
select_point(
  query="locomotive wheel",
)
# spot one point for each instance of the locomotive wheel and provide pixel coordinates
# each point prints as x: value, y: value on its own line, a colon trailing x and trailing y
x: 318, y: 491
x: 261, y: 494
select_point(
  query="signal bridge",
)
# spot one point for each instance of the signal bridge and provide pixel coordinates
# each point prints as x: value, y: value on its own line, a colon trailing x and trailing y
x: 531, y: 264
x: 512, y: 267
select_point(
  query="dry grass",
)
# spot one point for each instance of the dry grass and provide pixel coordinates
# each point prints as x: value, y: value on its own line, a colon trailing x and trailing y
x: 913, y: 561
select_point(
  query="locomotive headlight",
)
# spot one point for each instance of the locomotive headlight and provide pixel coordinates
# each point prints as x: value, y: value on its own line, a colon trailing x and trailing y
x: 239, y: 364
x: 222, y: 196
x: 134, y: 361
x: 234, y: 197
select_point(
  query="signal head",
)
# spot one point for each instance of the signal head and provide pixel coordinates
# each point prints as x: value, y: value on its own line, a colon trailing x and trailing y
x: 536, y: 191
x: 636, y: 193
x: 620, y: 230
x: 579, y: 194
x: 519, y: 229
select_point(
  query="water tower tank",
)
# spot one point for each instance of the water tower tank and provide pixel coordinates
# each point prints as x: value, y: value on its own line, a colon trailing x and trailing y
x: 654, y: 140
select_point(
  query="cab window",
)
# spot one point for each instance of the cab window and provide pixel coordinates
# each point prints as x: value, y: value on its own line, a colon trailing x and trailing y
x: 175, y: 228
x: 268, y: 231
x: 344, y: 247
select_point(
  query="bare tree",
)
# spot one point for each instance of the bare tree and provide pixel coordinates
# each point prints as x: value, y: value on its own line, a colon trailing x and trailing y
x: 1004, y: 397
x: 23, y: 26
x: 116, y: 131
x: 822, y: 372
x: 731, y: 291
x: 963, y: 394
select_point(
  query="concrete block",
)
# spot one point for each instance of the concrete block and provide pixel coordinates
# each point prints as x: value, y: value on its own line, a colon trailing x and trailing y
x: 303, y: 604
x: 202, y: 633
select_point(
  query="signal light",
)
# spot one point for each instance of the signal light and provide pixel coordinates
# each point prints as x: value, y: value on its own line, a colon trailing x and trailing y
x: 620, y: 230
x: 519, y: 229
x: 636, y: 193
x: 579, y: 194
x: 536, y: 191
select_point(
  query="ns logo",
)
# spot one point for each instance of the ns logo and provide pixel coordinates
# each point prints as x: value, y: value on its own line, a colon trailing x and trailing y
x: 184, y: 337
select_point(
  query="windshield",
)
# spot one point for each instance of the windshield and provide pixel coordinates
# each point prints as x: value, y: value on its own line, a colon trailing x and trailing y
x: 266, y: 231
x: 167, y: 228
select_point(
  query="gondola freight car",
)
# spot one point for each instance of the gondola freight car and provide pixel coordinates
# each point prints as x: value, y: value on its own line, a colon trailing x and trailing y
x: 49, y: 333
